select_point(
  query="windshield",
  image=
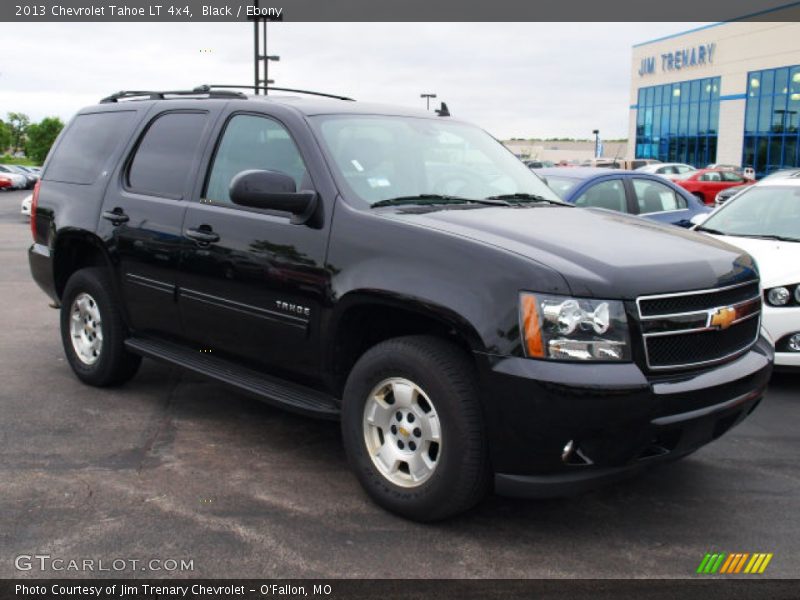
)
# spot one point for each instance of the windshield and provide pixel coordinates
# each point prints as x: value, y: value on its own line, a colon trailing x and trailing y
x: 770, y: 211
x: 385, y: 157
x: 561, y: 185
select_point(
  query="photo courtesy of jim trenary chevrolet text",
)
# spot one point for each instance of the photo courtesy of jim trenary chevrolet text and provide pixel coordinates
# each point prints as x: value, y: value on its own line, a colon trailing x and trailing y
x: 355, y: 299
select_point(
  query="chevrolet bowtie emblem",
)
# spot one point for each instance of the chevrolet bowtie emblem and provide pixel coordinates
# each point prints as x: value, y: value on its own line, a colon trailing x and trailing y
x: 723, y: 317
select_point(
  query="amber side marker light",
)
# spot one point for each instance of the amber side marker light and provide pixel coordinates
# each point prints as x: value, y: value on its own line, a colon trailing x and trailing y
x: 531, y: 328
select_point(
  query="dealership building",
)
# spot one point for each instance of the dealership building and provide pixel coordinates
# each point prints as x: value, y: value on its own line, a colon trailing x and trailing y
x: 723, y: 93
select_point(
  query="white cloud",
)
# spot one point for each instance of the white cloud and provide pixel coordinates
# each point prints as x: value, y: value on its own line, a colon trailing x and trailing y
x: 514, y: 79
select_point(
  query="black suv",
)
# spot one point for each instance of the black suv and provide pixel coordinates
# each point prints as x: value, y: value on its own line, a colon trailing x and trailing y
x: 400, y: 271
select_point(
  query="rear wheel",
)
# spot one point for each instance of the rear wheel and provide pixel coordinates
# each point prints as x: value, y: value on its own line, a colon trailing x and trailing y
x: 93, y: 332
x: 413, y: 428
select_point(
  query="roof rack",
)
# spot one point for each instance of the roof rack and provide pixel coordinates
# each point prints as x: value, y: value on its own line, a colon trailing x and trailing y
x: 211, y: 87
x: 154, y: 95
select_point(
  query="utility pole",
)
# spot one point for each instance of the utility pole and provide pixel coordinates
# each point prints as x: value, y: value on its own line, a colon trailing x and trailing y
x: 427, y: 100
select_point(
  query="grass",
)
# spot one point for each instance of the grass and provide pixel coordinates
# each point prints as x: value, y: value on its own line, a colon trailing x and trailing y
x: 13, y: 160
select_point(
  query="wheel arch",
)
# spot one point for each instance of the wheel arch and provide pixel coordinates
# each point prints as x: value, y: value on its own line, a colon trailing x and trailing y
x: 74, y: 250
x: 364, y: 318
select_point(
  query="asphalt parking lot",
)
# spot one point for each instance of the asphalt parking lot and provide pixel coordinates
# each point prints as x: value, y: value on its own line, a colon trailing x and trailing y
x: 173, y: 467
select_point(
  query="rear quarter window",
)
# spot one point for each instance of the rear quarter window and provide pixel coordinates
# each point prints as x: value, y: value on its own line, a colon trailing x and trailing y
x: 87, y: 145
x: 163, y: 160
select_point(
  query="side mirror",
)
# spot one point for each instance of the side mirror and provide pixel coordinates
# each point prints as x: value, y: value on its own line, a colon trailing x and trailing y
x: 699, y: 219
x: 273, y: 190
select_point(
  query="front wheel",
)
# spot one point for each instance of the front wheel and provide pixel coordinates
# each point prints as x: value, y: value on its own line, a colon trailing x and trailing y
x: 93, y: 332
x: 413, y: 428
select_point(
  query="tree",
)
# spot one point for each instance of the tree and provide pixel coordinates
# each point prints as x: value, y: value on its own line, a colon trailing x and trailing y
x: 5, y: 137
x: 40, y: 136
x: 18, y: 124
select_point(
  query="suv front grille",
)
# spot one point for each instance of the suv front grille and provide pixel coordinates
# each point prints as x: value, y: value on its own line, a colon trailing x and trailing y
x: 696, y: 301
x: 697, y: 328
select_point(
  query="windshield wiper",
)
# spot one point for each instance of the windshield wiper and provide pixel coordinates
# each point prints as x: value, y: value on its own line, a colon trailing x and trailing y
x: 779, y: 238
x: 709, y: 230
x: 425, y: 199
x: 526, y: 198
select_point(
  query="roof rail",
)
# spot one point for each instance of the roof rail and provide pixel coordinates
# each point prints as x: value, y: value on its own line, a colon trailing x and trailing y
x: 156, y: 95
x: 209, y: 87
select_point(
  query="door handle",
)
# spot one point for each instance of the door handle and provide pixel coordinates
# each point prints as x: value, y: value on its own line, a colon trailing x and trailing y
x: 203, y: 234
x: 116, y: 216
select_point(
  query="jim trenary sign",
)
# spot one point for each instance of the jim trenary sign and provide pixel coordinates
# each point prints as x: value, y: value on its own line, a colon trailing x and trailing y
x: 683, y: 58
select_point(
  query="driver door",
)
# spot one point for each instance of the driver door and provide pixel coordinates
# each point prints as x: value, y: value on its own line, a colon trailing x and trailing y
x: 251, y: 283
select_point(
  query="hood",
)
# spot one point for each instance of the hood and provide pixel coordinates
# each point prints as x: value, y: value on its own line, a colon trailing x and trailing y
x: 600, y: 253
x: 778, y: 262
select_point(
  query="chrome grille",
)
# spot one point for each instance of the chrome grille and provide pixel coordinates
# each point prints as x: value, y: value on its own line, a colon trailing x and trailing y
x: 701, y: 327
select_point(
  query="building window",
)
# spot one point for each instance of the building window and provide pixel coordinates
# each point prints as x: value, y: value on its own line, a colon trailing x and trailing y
x: 772, y: 117
x: 678, y: 122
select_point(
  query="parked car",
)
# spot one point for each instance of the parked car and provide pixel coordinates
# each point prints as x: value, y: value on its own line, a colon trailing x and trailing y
x: 538, y: 164
x: 468, y: 328
x: 668, y: 170
x: 30, y: 178
x: 18, y: 181
x: 6, y: 182
x: 25, y: 208
x: 707, y: 183
x: 32, y: 171
x: 764, y: 220
x: 632, y: 192
x: 730, y: 192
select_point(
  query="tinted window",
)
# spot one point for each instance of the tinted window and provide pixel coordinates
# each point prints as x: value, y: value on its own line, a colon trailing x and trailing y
x: 251, y: 142
x: 164, y: 157
x: 653, y: 196
x: 608, y: 194
x: 383, y: 157
x: 710, y: 177
x: 87, y: 144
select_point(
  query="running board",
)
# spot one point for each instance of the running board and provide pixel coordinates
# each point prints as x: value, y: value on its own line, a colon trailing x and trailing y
x: 280, y: 393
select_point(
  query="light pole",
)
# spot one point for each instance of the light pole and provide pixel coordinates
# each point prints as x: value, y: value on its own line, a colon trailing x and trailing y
x: 596, y: 133
x: 427, y: 100
x: 266, y: 58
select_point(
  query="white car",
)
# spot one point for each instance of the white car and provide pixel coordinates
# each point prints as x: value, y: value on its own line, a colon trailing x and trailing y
x: 27, y: 201
x: 668, y: 170
x: 764, y: 220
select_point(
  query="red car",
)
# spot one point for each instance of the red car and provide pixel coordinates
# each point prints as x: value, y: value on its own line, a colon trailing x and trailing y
x: 707, y: 183
x: 5, y: 182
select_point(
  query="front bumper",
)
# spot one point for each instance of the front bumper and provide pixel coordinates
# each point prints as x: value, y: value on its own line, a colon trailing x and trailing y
x: 619, y: 419
x: 781, y: 322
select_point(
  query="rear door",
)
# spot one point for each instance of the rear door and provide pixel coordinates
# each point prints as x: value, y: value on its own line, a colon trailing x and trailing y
x: 143, y: 211
x: 252, y: 283
x: 658, y: 201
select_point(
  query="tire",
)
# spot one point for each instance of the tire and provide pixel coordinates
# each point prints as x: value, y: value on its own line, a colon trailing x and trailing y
x: 100, y: 364
x: 455, y: 475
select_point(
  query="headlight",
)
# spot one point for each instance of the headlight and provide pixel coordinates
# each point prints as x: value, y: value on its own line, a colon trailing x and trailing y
x: 778, y: 296
x: 564, y: 328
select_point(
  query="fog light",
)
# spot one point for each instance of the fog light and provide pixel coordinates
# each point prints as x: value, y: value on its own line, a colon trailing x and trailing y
x: 794, y: 343
x: 778, y: 296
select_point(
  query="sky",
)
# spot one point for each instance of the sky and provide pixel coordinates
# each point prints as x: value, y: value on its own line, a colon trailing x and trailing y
x: 513, y: 79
